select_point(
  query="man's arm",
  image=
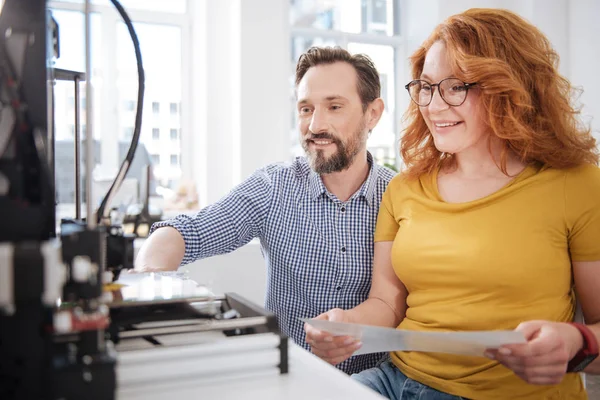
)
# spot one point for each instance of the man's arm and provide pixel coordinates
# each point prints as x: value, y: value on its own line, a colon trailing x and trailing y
x: 217, y: 229
x: 162, y: 251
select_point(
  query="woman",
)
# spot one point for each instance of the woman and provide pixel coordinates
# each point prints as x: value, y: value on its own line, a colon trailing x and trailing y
x: 494, y: 224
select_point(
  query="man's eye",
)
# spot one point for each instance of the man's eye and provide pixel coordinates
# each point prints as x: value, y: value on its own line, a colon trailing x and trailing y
x: 336, y: 107
x: 304, y: 110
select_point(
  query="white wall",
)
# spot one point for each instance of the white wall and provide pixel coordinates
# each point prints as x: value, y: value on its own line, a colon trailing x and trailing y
x: 242, y: 272
x: 584, y: 56
x: 239, y: 108
x: 258, y: 40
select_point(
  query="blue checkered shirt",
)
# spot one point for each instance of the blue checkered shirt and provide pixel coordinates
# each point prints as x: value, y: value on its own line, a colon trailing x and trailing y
x: 318, y: 249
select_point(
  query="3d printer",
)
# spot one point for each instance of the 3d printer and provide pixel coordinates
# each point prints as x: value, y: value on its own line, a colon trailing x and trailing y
x: 62, y: 334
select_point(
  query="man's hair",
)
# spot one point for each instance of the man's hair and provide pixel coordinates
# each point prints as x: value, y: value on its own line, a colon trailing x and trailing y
x: 527, y: 103
x: 369, y: 86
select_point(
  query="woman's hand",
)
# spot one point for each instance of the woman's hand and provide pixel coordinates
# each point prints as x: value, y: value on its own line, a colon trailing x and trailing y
x: 543, y: 360
x: 333, y: 349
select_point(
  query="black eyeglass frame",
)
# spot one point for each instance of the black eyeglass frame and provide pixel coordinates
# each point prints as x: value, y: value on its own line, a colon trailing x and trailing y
x: 434, y: 85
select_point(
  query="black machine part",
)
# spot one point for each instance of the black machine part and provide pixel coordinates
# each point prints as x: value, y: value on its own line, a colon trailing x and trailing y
x: 33, y: 365
x: 27, y: 195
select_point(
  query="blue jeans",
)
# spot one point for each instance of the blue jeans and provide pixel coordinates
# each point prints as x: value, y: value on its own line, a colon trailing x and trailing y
x: 388, y: 381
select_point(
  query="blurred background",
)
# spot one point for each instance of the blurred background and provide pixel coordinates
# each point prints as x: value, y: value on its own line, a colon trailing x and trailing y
x: 220, y: 100
x: 219, y: 97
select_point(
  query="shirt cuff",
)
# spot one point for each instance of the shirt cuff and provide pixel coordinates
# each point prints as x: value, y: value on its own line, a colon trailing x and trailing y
x: 184, y: 231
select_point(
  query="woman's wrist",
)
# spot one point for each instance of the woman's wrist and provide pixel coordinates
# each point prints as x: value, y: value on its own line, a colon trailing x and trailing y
x: 576, y: 341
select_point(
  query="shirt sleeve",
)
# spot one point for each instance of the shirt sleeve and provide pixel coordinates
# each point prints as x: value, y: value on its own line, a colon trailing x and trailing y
x: 387, y: 226
x: 582, y: 210
x: 229, y: 223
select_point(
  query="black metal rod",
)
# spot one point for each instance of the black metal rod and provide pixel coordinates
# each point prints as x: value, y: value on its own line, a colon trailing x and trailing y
x: 77, y: 141
x: 89, y: 124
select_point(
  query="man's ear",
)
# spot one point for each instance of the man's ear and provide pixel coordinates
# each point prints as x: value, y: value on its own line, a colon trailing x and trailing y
x: 374, y: 112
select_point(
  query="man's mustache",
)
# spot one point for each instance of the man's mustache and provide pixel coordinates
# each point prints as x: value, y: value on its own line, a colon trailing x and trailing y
x: 321, y: 136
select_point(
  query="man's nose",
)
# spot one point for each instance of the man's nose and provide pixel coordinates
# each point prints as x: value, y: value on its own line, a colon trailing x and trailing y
x: 318, y: 122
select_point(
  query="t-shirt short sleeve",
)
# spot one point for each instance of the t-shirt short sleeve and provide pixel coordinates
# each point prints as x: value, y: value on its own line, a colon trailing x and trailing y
x: 387, y: 225
x: 582, y: 210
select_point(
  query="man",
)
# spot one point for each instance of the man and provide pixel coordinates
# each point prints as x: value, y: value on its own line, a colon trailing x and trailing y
x: 315, y: 217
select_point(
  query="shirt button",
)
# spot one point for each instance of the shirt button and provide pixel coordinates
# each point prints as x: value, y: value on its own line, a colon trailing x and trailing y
x: 343, y: 209
x: 338, y: 287
x: 343, y: 249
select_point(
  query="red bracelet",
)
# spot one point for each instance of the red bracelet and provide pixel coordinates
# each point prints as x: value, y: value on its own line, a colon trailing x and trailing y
x: 588, y: 352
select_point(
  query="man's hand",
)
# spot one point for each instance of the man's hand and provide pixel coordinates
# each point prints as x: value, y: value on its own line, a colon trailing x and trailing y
x: 333, y: 349
x: 161, y: 251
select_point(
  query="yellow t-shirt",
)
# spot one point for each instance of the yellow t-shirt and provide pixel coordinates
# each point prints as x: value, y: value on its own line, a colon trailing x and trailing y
x: 490, y: 264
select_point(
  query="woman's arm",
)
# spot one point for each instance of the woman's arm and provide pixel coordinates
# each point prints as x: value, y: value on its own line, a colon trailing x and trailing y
x: 544, y: 359
x: 386, y: 306
x: 587, y: 287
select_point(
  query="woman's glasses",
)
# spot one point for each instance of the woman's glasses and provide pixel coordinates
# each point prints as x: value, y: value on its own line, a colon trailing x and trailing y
x: 452, y: 90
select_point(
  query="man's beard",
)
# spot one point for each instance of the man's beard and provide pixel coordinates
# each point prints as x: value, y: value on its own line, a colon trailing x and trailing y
x: 343, y: 156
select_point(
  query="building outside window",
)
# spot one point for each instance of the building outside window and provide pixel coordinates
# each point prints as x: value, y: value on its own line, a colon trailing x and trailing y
x: 127, y: 133
x: 129, y: 105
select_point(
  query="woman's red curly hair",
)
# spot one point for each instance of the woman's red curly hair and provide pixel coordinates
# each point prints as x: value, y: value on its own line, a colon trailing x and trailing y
x: 527, y: 102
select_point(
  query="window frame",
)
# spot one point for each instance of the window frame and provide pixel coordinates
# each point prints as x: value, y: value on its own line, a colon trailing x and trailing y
x: 110, y: 20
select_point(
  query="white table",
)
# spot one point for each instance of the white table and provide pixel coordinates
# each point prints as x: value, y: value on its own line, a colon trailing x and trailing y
x: 309, y: 378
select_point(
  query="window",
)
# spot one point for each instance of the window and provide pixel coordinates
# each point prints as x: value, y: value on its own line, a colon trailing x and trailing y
x: 174, y: 160
x: 174, y: 134
x: 129, y: 105
x: 174, y: 108
x: 115, y: 101
x: 72, y: 57
x: 368, y: 26
x: 156, y: 6
x: 375, y: 17
x: 162, y: 55
x: 366, y: 16
x: 128, y: 133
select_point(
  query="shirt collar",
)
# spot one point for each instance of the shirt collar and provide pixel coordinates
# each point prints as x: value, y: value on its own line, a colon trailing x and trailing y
x: 367, y: 190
